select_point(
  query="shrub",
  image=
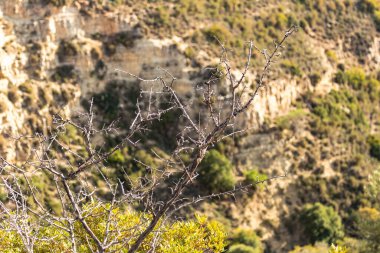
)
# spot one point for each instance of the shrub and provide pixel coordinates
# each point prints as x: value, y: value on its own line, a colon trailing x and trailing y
x: 58, y: 3
x: 241, y: 248
x: 26, y: 87
x: 315, y: 78
x: 13, y: 94
x: 100, y: 70
x: 331, y: 55
x: 291, y: 68
x: 369, y: 6
x: 337, y: 249
x: 116, y: 157
x: 196, y: 235
x: 321, y: 223
x: 144, y: 159
x: 355, y: 77
x: 64, y: 73
x: 376, y: 18
x: 340, y: 77
x: 69, y: 135
x: 374, y: 144
x: 67, y: 49
x: 108, y: 101
x: 288, y: 121
x: 189, y: 52
x: 253, y: 177
x: 369, y: 228
x: 339, y: 108
x: 247, y: 238
x: 162, y: 16
x: 217, y: 31
x: 281, y: 21
x: 216, y: 172
x: 317, y: 248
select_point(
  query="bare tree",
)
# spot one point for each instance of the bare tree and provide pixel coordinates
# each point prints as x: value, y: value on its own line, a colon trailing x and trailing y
x: 72, y: 178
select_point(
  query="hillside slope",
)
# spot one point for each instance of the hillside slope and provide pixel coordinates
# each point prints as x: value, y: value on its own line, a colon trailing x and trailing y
x: 314, y: 120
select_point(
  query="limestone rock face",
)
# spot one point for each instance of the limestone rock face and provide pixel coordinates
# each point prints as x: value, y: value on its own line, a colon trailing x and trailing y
x: 75, y: 51
x: 100, y: 46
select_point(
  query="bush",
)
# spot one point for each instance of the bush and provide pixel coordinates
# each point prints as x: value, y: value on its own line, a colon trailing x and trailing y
x: 369, y: 229
x: 321, y: 223
x: 13, y: 94
x: 369, y: 6
x: 57, y: 3
x: 376, y: 18
x: 241, y: 248
x: 161, y: 17
x: 331, y: 55
x: 26, y: 87
x: 374, y: 144
x: 67, y: 49
x: 318, y: 248
x: 315, y: 78
x: 337, y: 249
x: 64, y: 73
x: 216, y: 172
x: 355, y: 77
x: 339, y: 108
x: 247, y: 238
x: 116, y: 157
x: 253, y: 177
x: 195, y: 235
x: 290, y: 120
x: 217, y: 31
x: 291, y: 68
x: 340, y: 77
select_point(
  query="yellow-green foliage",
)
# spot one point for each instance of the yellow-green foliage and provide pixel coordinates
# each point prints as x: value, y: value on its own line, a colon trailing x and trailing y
x: 369, y: 5
x: 374, y: 146
x: 245, y: 241
x: 331, y: 55
x: 194, y: 236
x: 373, y: 188
x: 255, y: 178
x: 321, y: 223
x: 288, y: 121
x: 372, y: 7
x: 291, y: 68
x: 369, y: 229
x: 216, y: 172
x: 376, y: 18
x: 355, y: 77
x: 319, y: 248
x: 70, y: 135
x: 337, y: 249
x: 217, y: 32
x: 59, y: 3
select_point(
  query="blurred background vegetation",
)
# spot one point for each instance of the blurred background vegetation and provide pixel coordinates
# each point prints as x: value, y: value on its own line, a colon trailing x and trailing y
x: 331, y: 200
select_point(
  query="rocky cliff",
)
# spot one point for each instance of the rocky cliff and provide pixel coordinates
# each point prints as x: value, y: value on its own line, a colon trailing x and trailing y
x: 55, y: 58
